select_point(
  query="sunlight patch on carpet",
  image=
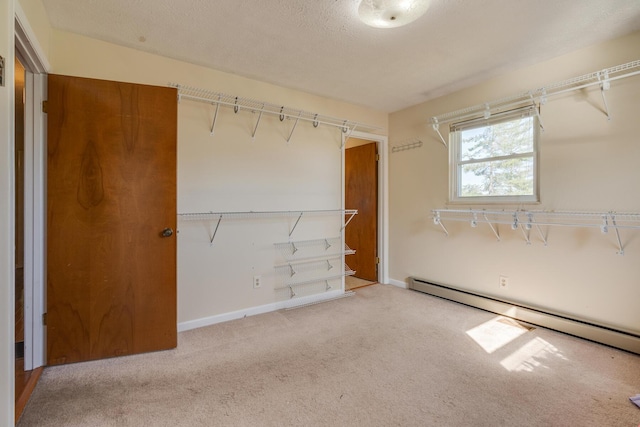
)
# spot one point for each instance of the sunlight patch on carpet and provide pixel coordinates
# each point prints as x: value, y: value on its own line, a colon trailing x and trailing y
x: 496, y: 333
x: 530, y: 356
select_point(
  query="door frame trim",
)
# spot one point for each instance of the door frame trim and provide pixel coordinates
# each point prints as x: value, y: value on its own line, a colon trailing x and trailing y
x: 383, y: 197
x: 32, y: 57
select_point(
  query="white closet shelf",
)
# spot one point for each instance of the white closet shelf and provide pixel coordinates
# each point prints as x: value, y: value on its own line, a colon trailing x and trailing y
x: 218, y: 216
x: 601, y: 78
x: 327, y: 246
x: 346, y: 272
x: 255, y: 106
x: 525, y: 220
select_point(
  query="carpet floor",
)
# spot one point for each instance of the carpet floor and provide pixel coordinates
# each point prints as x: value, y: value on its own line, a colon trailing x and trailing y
x: 384, y: 357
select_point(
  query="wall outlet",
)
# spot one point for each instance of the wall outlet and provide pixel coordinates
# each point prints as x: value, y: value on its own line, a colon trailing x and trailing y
x: 504, y: 282
x: 257, y: 282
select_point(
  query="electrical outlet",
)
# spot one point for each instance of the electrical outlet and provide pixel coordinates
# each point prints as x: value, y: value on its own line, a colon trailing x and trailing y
x: 257, y: 282
x: 504, y: 282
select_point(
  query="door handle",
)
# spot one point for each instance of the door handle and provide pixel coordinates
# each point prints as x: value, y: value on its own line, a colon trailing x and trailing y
x: 167, y: 232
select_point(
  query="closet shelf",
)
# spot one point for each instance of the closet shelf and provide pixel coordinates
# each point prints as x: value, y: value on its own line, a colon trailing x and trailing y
x: 326, y: 279
x: 326, y: 246
x: 255, y: 106
x: 218, y: 216
x: 316, y: 263
x: 602, y: 78
x: 525, y: 220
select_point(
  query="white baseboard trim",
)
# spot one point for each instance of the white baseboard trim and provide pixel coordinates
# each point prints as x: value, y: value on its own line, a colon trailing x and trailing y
x: 252, y: 311
x: 399, y: 283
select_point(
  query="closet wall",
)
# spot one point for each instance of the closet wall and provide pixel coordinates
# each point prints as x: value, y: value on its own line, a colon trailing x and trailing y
x: 230, y: 172
x: 587, y: 163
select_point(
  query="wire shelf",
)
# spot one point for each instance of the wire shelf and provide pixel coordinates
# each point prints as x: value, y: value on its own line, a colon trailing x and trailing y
x: 526, y: 220
x: 256, y: 106
x: 540, y: 95
x: 330, y: 246
x: 347, y: 272
x: 217, y: 217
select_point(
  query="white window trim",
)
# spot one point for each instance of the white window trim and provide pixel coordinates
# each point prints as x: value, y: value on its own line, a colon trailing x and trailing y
x: 455, y: 162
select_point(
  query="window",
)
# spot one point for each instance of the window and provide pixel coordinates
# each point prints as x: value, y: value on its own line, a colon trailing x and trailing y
x: 495, y: 159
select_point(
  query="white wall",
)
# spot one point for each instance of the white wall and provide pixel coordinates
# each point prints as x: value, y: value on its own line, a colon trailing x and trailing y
x: 587, y: 163
x: 230, y: 172
x: 7, y: 218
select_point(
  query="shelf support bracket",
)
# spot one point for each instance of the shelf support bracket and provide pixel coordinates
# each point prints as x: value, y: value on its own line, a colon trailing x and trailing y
x: 436, y: 220
x: 215, y: 117
x: 494, y: 229
x: 537, y: 111
x: 605, y: 84
x: 525, y: 234
x: 346, y: 138
x: 291, y: 292
x: 542, y: 236
x: 329, y: 266
x: 293, y: 247
x: 255, y: 129
x: 215, y: 231
x: 436, y: 127
x: 292, y: 272
x: 348, y: 221
x: 615, y: 226
x: 327, y: 245
x: 327, y: 286
x: 293, y: 128
x: 295, y: 225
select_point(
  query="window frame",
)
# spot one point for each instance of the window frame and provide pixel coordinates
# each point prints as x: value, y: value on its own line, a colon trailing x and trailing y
x: 455, y: 162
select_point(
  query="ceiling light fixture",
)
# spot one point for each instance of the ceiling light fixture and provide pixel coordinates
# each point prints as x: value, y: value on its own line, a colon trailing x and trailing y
x: 391, y: 13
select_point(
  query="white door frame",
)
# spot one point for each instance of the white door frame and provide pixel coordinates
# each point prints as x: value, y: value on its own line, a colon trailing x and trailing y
x: 383, y: 197
x: 31, y: 56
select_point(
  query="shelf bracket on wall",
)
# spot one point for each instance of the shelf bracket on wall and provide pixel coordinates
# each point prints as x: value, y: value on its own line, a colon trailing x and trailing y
x: 255, y: 129
x: 352, y: 213
x: 345, y: 128
x: 215, y: 117
x: 436, y: 126
x: 494, y: 229
x: 605, y: 85
x: 615, y: 226
x: 213, y: 236
x: 293, y: 128
x: 536, y: 111
x: 438, y: 221
x: 542, y: 236
x: 296, y: 224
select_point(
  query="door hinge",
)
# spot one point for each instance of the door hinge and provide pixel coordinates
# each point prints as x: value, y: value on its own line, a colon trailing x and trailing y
x: 45, y: 106
x: 377, y: 157
x: 44, y: 319
x: 377, y: 260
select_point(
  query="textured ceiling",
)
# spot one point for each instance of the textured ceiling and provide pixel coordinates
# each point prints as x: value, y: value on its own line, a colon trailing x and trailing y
x: 321, y: 47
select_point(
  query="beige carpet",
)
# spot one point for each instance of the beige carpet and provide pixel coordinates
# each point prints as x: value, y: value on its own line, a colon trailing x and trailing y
x: 352, y: 282
x: 384, y: 357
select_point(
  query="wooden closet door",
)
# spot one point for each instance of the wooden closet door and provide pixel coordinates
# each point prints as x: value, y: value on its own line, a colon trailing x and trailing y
x: 111, y: 271
x: 361, y: 193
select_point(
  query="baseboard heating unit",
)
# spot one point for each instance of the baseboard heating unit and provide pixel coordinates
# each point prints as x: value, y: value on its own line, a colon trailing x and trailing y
x: 624, y: 340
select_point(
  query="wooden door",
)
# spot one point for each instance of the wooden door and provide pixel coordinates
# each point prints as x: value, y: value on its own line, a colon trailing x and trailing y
x: 361, y: 193
x: 111, y: 274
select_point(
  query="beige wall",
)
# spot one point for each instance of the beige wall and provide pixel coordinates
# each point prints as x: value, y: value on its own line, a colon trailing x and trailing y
x: 586, y: 163
x: 229, y: 172
x: 39, y: 22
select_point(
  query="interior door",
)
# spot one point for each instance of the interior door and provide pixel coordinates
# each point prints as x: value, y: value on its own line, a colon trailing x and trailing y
x: 111, y: 212
x: 361, y: 193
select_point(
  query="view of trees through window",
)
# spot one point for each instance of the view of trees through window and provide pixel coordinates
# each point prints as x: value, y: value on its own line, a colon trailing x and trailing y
x: 497, y: 159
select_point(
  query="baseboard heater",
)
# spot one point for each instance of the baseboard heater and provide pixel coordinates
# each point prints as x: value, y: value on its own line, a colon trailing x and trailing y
x: 624, y: 340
